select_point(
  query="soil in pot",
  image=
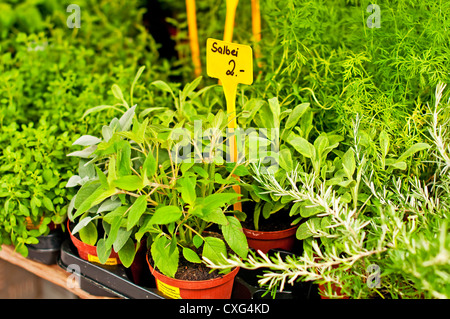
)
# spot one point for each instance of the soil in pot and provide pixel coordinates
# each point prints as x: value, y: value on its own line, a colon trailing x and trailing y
x: 191, y: 271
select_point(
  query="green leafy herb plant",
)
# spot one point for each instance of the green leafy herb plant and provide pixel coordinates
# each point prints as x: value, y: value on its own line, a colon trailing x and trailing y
x: 131, y: 186
x: 34, y: 170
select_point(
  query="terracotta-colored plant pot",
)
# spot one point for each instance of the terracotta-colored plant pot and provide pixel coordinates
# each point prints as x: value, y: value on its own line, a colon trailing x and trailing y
x: 31, y: 225
x: 89, y: 252
x: 218, y: 288
x: 323, y: 288
x: 267, y: 240
x: 334, y: 288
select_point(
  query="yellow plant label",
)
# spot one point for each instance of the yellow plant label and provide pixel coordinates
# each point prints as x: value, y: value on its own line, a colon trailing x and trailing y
x: 232, y: 64
x: 169, y: 291
x: 109, y: 261
x: 229, y: 62
x: 31, y: 225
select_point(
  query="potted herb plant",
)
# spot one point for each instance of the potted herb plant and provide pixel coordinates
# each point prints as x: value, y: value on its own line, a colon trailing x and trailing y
x: 132, y: 185
x: 32, y: 194
x: 95, y: 211
x: 193, y: 221
x: 270, y: 219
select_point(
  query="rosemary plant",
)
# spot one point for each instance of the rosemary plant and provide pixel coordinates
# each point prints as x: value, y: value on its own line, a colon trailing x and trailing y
x: 395, y: 244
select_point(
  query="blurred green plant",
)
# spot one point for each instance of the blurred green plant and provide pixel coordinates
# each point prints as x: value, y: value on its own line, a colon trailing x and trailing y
x: 34, y: 172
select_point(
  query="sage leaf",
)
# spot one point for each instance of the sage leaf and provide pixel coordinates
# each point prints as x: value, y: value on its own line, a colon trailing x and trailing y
x: 88, y: 234
x: 215, y: 250
x: 412, y: 150
x: 103, y: 252
x: 235, y: 237
x: 87, y: 140
x: 165, y: 259
x: 127, y: 119
x: 191, y: 255
x: 348, y: 163
x: 295, y: 115
x: 129, y: 183
x: 165, y: 215
x: 301, y: 145
x: 122, y: 237
x: 127, y: 253
x: 136, y: 211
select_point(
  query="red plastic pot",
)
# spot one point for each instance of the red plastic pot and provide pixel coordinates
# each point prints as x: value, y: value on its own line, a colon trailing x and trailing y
x: 267, y: 240
x: 218, y: 288
x: 336, y: 290
x: 89, y: 252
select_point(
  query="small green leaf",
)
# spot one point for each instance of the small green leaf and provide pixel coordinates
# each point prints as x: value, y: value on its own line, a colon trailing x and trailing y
x: 237, y: 169
x: 127, y: 253
x: 198, y: 241
x: 413, y: 149
x: 87, y: 140
x: 275, y: 108
x: 95, y: 198
x: 384, y: 143
x: 117, y: 92
x: 122, y: 237
x: 166, y: 260
x: 296, y: 114
x: 218, y: 200
x: 200, y: 171
x: 210, y: 215
x: 124, y: 160
x: 301, y: 145
x: 163, y: 86
x: 129, y: 183
x: 215, y: 250
x: 112, y: 230
x: 150, y: 165
x: 48, y: 204
x: 103, y: 252
x: 307, y: 210
x: 285, y: 159
x: 126, y: 119
x: 88, y: 234
x: 84, y: 193
x: 261, y: 193
x: 348, y: 163
x: 188, y: 192
x: 191, y: 255
x: 165, y: 215
x: 398, y: 165
x: 235, y: 237
x: 102, y: 177
x: 136, y: 211
x: 303, y: 231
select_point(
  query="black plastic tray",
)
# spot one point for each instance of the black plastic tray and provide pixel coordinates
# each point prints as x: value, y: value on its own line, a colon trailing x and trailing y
x: 101, y: 281
x: 116, y: 281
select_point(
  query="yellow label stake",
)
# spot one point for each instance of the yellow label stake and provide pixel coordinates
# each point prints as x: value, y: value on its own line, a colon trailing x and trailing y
x: 229, y: 62
x: 232, y: 64
x: 169, y: 291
